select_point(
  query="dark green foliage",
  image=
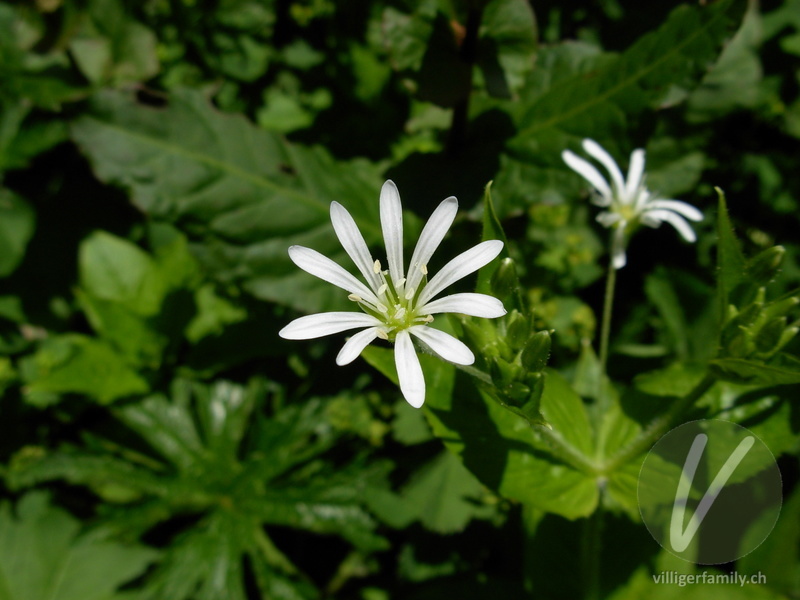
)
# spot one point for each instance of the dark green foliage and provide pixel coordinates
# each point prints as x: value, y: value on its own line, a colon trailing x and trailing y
x: 159, y: 440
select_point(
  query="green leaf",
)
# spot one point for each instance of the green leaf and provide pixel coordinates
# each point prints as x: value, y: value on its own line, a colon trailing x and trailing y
x: 110, y: 47
x: 443, y: 495
x: 492, y: 230
x: 661, y: 293
x: 507, y: 45
x: 248, y: 193
x: 498, y: 446
x: 211, y: 456
x: 17, y: 221
x: 730, y: 260
x: 740, y: 370
x: 117, y: 270
x: 675, y: 55
x: 73, y: 363
x: 44, y: 556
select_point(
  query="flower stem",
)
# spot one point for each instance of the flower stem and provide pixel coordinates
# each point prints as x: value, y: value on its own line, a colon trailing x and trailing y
x: 591, y: 544
x: 564, y: 451
x: 658, y: 426
x: 608, y: 303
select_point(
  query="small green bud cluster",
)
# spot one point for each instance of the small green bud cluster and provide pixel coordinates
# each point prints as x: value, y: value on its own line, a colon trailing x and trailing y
x: 516, y: 355
x: 760, y: 329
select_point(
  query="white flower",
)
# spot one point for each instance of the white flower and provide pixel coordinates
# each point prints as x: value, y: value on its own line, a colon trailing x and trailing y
x: 629, y: 202
x: 396, y: 305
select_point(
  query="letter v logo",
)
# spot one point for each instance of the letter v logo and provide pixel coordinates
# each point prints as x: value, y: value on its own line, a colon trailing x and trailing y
x: 680, y: 538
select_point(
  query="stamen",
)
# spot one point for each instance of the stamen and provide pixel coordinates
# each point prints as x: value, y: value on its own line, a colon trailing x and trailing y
x: 355, y: 298
x: 410, y: 293
x: 400, y: 313
x: 376, y: 267
x: 382, y: 289
x: 382, y: 334
x: 382, y: 308
x: 429, y: 319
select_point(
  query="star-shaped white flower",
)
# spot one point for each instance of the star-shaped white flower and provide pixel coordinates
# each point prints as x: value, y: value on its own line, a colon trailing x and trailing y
x: 629, y: 202
x: 396, y: 305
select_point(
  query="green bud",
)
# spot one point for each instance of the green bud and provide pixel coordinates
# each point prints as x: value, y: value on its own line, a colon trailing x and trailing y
x: 478, y: 337
x: 768, y: 337
x: 740, y: 346
x: 517, y: 330
x: 537, y: 351
x: 505, y: 279
x: 517, y: 391
x: 503, y: 372
x: 787, y: 336
x: 781, y: 307
x: 763, y: 267
x: 746, y: 318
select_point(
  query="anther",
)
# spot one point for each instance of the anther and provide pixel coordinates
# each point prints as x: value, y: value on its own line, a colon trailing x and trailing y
x: 382, y: 308
x: 376, y: 267
x: 382, y: 334
x: 424, y: 269
x: 382, y: 289
x: 410, y: 293
x: 355, y: 298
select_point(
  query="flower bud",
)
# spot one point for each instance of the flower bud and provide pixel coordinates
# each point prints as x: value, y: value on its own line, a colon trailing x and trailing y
x: 517, y: 330
x: 768, y: 337
x: 762, y: 268
x: 781, y: 307
x: 536, y: 351
x: 503, y: 372
x: 504, y: 280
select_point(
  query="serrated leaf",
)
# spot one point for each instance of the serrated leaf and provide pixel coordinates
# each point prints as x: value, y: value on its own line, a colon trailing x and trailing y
x: 248, y: 192
x: 740, y: 370
x: 730, y: 260
x: 492, y: 230
x: 674, y: 55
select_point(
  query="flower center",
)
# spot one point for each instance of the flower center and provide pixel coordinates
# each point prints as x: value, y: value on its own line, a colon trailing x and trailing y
x: 395, y: 305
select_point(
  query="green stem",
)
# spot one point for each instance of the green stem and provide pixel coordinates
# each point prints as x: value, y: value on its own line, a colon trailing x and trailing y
x: 564, y: 451
x: 608, y: 303
x: 658, y: 426
x: 591, y: 544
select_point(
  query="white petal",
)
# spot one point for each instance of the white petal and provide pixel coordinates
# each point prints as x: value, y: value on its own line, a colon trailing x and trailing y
x: 461, y: 266
x: 409, y: 371
x: 355, y: 345
x: 392, y: 225
x: 432, y: 235
x: 323, y: 267
x: 607, y: 219
x: 676, y: 221
x: 635, y: 172
x: 474, y: 305
x: 598, y: 152
x: 682, y: 208
x: 444, y: 344
x: 586, y: 170
x: 618, y: 257
x: 353, y: 243
x: 320, y: 324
